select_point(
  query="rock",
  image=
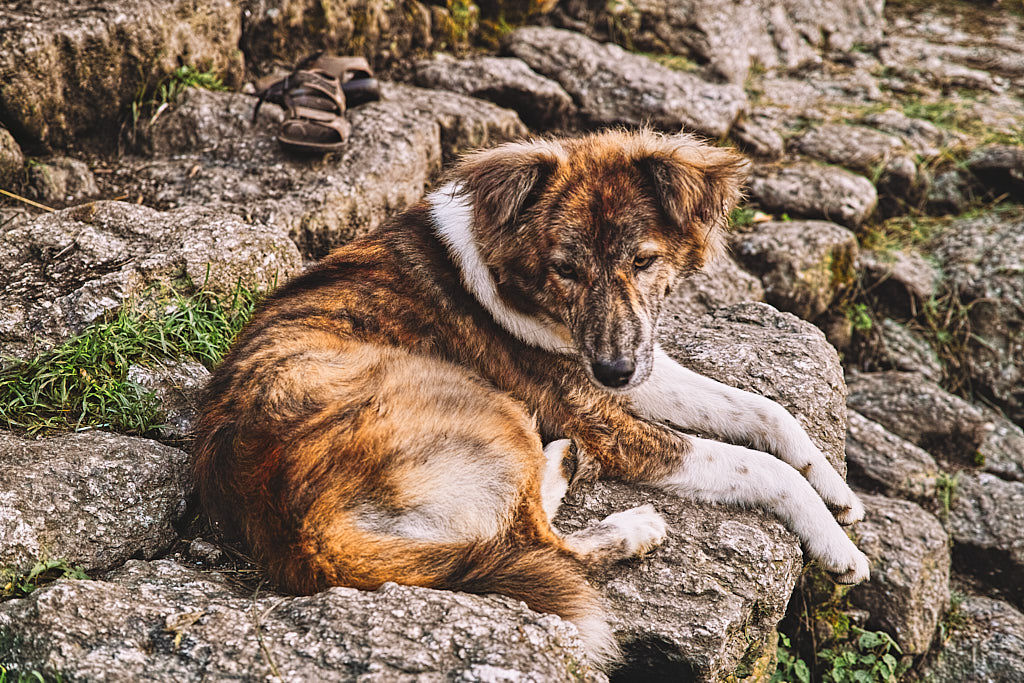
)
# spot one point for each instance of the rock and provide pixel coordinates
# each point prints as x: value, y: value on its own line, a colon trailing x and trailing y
x: 706, y: 600
x: 82, y: 263
x: 924, y: 61
x: 897, y: 348
x: 12, y: 161
x: 1003, y: 450
x: 986, y: 523
x: 92, y: 499
x: 882, y: 462
x: 901, y: 281
x: 166, y: 622
x: 950, y: 192
x: 395, y: 150
x: 179, y: 389
x: 923, y: 138
x: 62, y: 182
x: 757, y: 348
x: 721, y: 283
x: 999, y: 168
x: 858, y: 148
x: 276, y: 32
x: 506, y: 81
x: 71, y: 71
x: 204, y: 551
x: 909, y: 586
x: 732, y: 37
x: 921, y: 412
x: 760, y: 136
x: 614, y: 87
x: 981, y: 259
x: 804, y: 265
x: 990, y: 647
x: 814, y: 191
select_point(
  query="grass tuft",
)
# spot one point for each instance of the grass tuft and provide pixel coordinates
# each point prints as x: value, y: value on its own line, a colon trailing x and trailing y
x: 19, y: 584
x: 83, y: 382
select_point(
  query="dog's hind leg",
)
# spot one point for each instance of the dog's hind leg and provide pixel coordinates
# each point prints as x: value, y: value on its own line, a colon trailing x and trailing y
x: 619, y: 536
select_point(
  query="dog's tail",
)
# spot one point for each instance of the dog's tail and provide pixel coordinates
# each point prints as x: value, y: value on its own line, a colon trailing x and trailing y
x: 547, y: 580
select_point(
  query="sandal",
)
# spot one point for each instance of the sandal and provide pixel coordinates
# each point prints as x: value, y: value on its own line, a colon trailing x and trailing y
x: 316, y: 113
x: 354, y: 73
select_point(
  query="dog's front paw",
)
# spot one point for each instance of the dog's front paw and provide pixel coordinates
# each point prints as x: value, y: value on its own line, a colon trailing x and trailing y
x: 852, y: 512
x: 836, y: 493
x: 642, y: 528
x: 848, y: 565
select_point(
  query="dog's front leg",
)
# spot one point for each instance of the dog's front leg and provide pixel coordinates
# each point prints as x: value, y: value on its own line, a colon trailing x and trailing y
x: 723, y: 473
x: 683, y: 398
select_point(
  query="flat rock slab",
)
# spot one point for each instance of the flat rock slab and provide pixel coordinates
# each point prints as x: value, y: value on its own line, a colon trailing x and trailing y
x: 707, y: 599
x: 909, y: 586
x: 755, y: 347
x: 990, y: 647
x: 804, y: 265
x: 986, y: 523
x: 983, y: 263
x: 76, y: 265
x: 895, y: 347
x: 92, y: 499
x: 161, y: 621
x: 901, y: 280
x: 814, y: 191
x: 614, y: 87
x: 506, y: 81
x: 883, y: 462
x: 205, y: 151
x: 72, y: 69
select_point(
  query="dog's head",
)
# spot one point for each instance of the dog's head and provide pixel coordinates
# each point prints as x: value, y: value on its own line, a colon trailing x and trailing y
x: 589, y: 235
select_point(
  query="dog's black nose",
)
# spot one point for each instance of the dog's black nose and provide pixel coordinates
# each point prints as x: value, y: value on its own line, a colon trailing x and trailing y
x: 613, y: 373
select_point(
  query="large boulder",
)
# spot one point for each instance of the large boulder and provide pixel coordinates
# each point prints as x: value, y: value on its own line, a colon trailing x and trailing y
x: 72, y: 70
x: 899, y: 280
x: 205, y: 151
x: 732, y: 36
x: 92, y: 499
x: 804, y: 265
x: 720, y: 283
x: 614, y: 87
x: 988, y: 646
x: 814, y: 191
x: 506, y: 81
x: 882, y: 462
x: 79, y: 264
x: 981, y: 259
x: 909, y: 587
x: 161, y: 621
x: 757, y: 348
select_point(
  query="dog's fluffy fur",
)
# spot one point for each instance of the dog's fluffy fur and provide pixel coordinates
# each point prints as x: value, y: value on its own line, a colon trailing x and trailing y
x: 382, y: 417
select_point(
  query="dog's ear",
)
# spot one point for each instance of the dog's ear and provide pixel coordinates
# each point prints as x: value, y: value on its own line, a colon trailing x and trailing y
x: 695, y: 184
x: 504, y: 181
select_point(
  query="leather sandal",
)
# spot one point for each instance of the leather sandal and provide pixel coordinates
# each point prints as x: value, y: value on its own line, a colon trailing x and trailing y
x: 316, y: 113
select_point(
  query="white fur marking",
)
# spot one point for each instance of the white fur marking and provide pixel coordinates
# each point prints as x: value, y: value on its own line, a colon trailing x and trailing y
x: 686, y: 399
x: 553, y: 484
x: 642, y: 528
x: 452, y: 211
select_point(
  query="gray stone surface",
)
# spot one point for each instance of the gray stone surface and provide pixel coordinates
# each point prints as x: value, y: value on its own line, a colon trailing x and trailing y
x: 12, y: 161
x: 909, y: 587
x: 981, y: 259
x: 1003, y: 449
x: 161, y: 621
x: 612, y: 87
x: 900, y: 280
x: 923, y: 138
x: 720, y: 283
x: 804, y: 265
x: 760, y: 136
x: 92, y: 499
x: 178, y: 387
x: 705, y: 600
x: 731, y: 37
x: 395, y: 150
x: 897, y: 348
x: 986, y: 523
x: 883, y: 462
x: 62, y: 182
x: 79, y: 264
x: 814, y: 191
x: 921, y: 412
x: 999, y: 168
x: 859, y: 148
x: 755, y: 347
x: 506, y: 81
x: 989, y: 648
x: 72, y: 69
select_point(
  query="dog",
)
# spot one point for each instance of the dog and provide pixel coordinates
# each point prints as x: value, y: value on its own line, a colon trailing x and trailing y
x: 383, y: 416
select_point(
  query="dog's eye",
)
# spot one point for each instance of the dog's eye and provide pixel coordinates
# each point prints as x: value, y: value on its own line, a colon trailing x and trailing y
x: 564, y: 270
x: 643, y: 262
